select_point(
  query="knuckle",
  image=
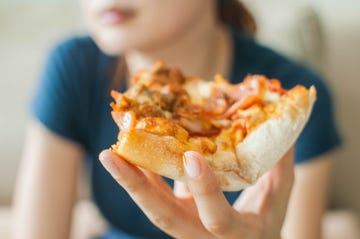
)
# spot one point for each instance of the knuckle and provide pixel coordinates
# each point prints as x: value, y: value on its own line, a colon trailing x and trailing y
x: 132, y: 186
x: 219, y: 227
x: 205, y: 190
x: 260, y: 226
x: 257, y: 225
x: 289, y: 182
x: 162, y: 221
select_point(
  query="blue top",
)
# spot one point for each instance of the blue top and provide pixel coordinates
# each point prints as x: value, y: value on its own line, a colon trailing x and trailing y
x: 73, y: 101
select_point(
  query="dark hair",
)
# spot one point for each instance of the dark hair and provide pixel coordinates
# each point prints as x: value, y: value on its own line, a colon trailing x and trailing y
x: 234, y: 14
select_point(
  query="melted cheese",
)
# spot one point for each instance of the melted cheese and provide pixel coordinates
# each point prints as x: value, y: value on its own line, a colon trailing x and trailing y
x: 166, y: 103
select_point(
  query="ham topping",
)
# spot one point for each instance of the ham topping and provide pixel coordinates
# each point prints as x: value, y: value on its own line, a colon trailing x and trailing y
x: 204, y: 109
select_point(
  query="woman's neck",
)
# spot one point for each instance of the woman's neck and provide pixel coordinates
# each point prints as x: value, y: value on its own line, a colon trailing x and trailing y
x: 202, y: 51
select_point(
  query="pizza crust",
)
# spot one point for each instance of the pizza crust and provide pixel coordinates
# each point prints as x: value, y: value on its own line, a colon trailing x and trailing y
x: 157, y: 153
x: 268, y: 143
x: 254, y: 156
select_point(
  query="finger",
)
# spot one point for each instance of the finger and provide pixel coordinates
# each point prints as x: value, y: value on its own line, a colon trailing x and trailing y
x: 181, y: 190
x: 254, y: 198
x: 283, y: 173
x: 272, y: 190
x: 214, y: 210
x: 282, y: 180
x: 162, y: 210
x: 158, y: 181
x: 127, y: 175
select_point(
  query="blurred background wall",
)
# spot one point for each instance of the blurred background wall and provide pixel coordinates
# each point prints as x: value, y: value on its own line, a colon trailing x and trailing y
x: 323, y: 33
x: 27, y: 30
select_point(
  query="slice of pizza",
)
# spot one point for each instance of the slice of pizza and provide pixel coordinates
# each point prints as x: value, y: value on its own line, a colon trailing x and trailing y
x: 241, y: 129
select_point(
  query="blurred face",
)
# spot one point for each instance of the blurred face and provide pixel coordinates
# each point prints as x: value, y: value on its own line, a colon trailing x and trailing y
x: 121, y: 25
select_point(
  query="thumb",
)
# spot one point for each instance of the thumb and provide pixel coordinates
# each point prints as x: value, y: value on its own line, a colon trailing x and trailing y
x: 181, y: 190
x: 204, y: 186
x: 199, y: 173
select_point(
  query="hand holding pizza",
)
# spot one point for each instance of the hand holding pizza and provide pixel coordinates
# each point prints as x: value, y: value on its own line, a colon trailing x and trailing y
x: 212, y: 136
x: 198, y: 208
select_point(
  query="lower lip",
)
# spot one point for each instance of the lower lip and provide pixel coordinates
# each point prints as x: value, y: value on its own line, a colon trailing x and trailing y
x: 111, y: 17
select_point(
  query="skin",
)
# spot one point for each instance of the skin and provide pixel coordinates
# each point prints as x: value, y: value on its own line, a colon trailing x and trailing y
x: 200, y: 207
x: 308, y: 199
x: 46, y: 185
x: 38, y: 178
x: 172, y: 36
x: 50, y: 164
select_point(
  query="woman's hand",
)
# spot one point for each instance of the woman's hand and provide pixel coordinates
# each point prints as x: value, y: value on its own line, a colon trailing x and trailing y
x: 198, y: 208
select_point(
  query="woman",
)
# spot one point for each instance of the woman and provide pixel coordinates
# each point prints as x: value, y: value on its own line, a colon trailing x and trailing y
x: 71, y: 121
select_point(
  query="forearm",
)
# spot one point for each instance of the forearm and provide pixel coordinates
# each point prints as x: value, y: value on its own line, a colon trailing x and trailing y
x: 39, y: 218
x: 308, y: 200
x: 46, y: 186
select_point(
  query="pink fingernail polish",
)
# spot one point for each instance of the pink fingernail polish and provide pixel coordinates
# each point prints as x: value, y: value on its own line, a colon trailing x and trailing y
x: 191, y: 164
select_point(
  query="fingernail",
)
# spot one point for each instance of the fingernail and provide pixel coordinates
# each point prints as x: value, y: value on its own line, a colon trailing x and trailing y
x: 191, y: 164
x: 109, y: 164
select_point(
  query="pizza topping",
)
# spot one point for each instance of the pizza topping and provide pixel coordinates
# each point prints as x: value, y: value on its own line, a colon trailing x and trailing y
x: 125, y: 120
x: 202, y: 144
x: 161, y: 126
x: 201, y: 108
x: 164, y: 114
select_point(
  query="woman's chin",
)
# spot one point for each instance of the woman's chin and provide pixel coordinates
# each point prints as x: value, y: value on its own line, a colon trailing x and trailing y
x: 113, y: 44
